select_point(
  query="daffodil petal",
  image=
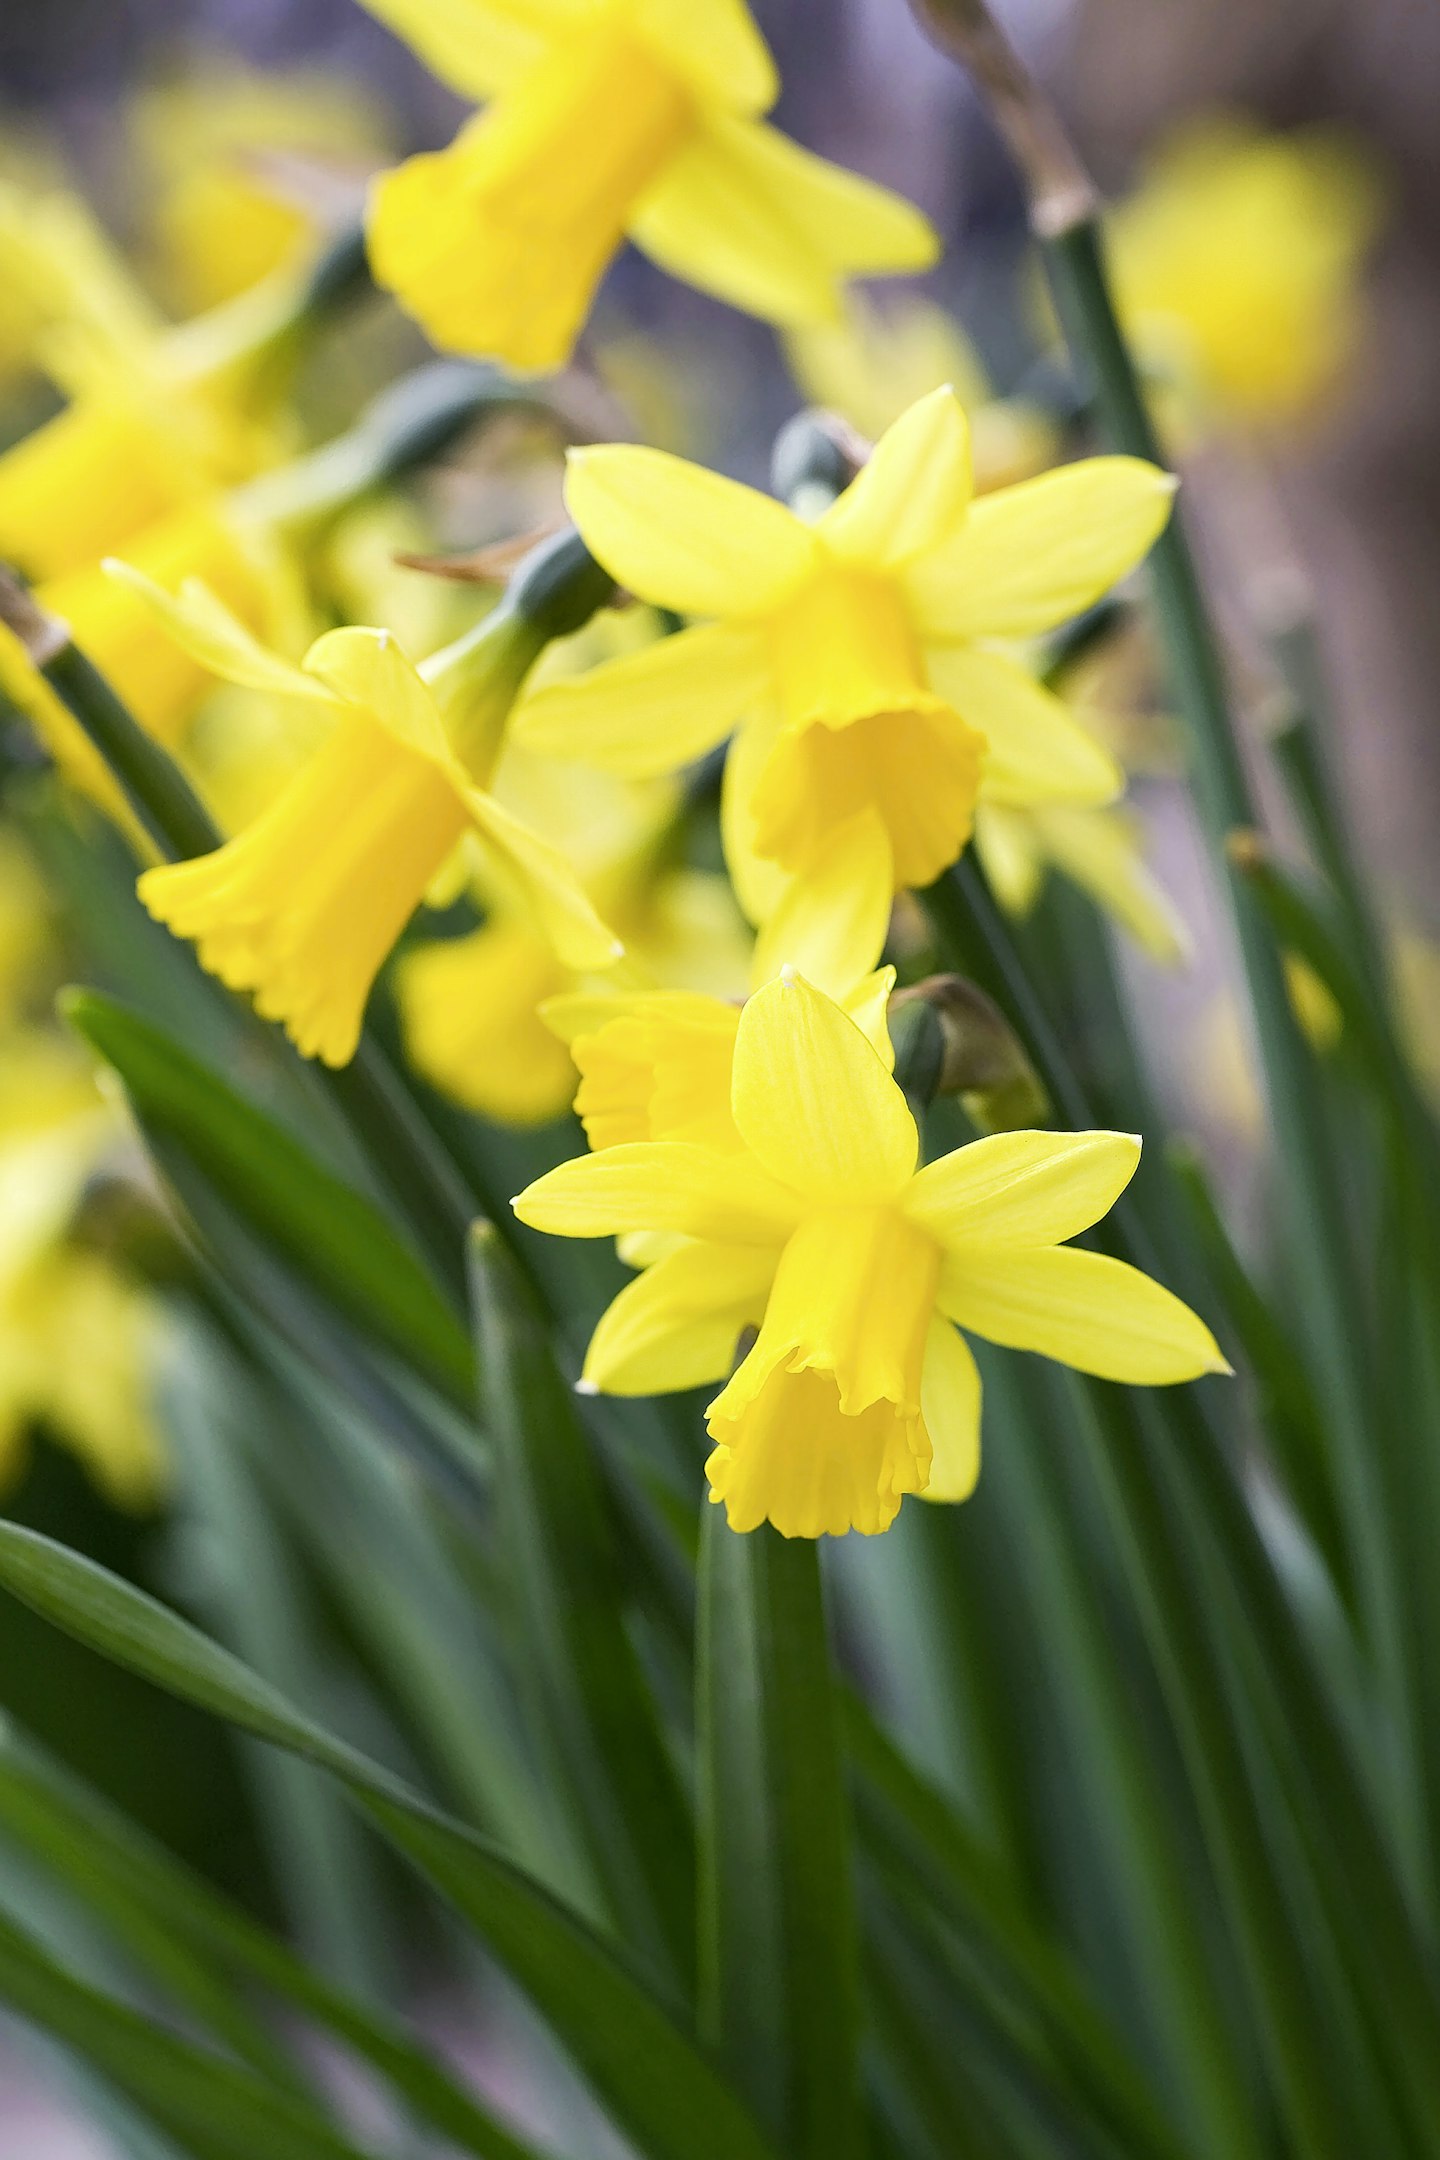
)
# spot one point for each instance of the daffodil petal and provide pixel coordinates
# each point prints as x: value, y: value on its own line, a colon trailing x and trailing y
x: 548, y: 883
x: 716, y: 48
x: 1030, y: 556
x: 746, y: 214
x: 1084, y: 1309
x: 813, y: 1101
x: 950, y: 1406
x: 1034, y: 751
x: 913, y: 490
x: 202, y: 625
x: 760, y: 883
x: 1011, y: 854
x: 661, y: 1185
x: 684, y: 538
x: 652, y: 711
x: 477, y: 46
x: 830, y: 925
x: 1102, y: 850
x: 369, y: 668
x: 676, y: 1325
x: 1021, y: 1189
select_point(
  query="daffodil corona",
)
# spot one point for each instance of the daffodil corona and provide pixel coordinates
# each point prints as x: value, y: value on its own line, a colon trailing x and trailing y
x: 613, y: 117
x: 857, y: 1270
x: 862, y: 659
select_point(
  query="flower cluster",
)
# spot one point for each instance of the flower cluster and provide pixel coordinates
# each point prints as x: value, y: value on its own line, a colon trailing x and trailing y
x: 651, y: 834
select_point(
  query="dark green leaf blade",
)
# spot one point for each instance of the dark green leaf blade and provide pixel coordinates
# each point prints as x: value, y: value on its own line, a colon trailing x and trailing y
x: 322, y: 1229
x: 634, y: 2051
x: 587, y: 1689
x: 779, y: 1956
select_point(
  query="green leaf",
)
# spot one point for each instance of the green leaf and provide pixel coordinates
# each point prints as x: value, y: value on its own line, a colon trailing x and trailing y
x: 218, y: 2110
x: 629, y: 2044
x: 336, y: 1240
x: 588, y: 1695
x: 176, y: 1925
x: 779, y: 1957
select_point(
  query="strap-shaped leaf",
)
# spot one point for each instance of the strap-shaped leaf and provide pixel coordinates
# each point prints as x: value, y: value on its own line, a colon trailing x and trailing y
x: 650, y: 2075
x: 779, y: 1959
x: 587, y: 1691
x: 320, y: 1227
x: 175, y: 1924
x: 218, y: 2110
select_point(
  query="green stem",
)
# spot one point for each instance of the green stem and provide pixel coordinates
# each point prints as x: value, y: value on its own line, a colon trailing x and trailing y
x: 779, y: 1954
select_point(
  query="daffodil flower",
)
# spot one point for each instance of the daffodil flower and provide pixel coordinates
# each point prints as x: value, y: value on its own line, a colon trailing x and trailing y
x: 613, y: 117
x: 302, y: 908
x: 857, y: 1268
x: 1236, y: 265
x: 862, y: 659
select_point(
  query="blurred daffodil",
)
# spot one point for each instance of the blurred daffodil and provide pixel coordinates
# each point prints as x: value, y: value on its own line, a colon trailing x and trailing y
x: 303, y: 907
x: 1100, y: 850
x: 861, y: 658
x: 613, y: 118
x: 1236, y: 266
x: 858, y: 1270
x: 877, y: 362
x: 240, y: 169
x: 77, y: 1339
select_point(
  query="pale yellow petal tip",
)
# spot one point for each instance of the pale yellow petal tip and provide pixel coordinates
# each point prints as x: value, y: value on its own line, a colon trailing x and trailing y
x: 587, y: 1387
x: 789, y: 975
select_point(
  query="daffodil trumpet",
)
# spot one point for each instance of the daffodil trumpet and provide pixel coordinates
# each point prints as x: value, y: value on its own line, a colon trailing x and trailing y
x: 303, y: 907
x: 857, y: 1270
x: 864, y: 660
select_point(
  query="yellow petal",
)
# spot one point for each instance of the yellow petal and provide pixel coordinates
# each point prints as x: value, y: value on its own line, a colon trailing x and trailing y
x: 658, y: 1068
x: 1084, y: 1309
x: 950, y: 1404
x: 652, y: 711
x: 684, y: 538
x: 745, y: 213
x: 1030, y: 556
x: 368, y: 668
x: 796, y: 1460
x: 715, y: 47
x: 1035, y: 752
x: 1011, y: 853
x: 549, y: 885
x: 476, y: 46
x: 1102, y: 850
x: 1021, y: 1188
x: 759, y: 882
x: 660, y: 1185
x: 813, y: 1100
x: 831, y: 923
x: 202, y: 625
x: 468, y: 1006
x: 914, y: 489
x: 676, y: 1326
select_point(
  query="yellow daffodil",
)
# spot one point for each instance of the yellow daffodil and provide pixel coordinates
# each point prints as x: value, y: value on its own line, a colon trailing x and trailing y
x: 303, y: 907
x: 1236, y: 265
x: 857, y: 1269
x: 876, y: 363
x: 861, y: 658
x: 613, y: 117
x: 77, y: 1340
